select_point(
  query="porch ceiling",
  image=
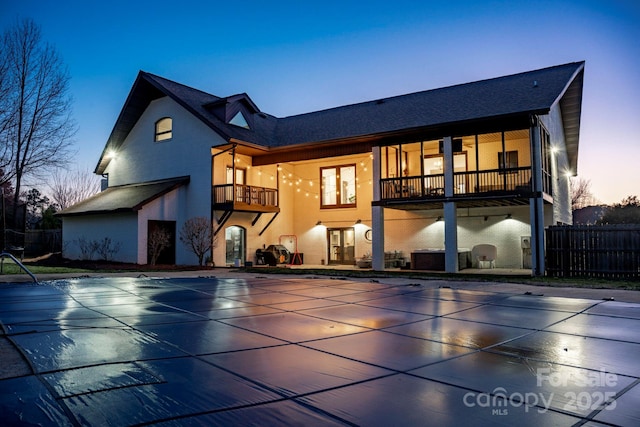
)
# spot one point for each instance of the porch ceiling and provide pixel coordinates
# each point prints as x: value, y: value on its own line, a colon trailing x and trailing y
x: 439, y: 204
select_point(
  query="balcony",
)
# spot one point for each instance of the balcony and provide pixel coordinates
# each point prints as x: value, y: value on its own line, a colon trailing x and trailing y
x: 244, y: 198
x: 509, y: 186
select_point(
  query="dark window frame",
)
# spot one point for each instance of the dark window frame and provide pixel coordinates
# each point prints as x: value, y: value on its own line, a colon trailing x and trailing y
x: 508, y: 161
x: 338, y: 203
x: 164, y: 135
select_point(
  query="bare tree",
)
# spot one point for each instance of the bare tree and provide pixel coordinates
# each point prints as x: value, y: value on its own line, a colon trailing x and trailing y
x: 37, y: 128
x: 581, y: 194
x: 69, y: 187
x: 159, y: 239
x: 196, y: 235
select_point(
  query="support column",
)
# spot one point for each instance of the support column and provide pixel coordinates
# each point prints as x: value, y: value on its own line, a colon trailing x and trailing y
x: 377, y: 238
x: 536, y: 203
x: 377, y: 217
x: 450, y: 214
x: 450, y: 238
x: 536, y: 215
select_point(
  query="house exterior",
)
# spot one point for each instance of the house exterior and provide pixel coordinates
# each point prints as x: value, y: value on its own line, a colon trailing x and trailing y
x: 438, y: 171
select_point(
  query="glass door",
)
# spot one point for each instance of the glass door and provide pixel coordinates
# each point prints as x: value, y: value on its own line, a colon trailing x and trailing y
x: 341, y: 244
x: 235, y: 245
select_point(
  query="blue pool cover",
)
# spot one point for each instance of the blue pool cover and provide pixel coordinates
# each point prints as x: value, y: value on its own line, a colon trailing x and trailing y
x: 313, y: 351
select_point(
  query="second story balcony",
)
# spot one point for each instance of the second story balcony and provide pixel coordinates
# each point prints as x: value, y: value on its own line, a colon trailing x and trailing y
x: 500, y: 183
x: 244, y: 198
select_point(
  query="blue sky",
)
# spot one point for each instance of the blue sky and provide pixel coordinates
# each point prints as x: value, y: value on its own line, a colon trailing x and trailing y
x: 294, y: 57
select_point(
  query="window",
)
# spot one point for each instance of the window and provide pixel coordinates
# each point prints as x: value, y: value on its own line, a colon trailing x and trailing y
x: 239, y: 120
x: 508, y: 160
x: 338, y: 186
x: 164, y: 129
x: 240, y: 174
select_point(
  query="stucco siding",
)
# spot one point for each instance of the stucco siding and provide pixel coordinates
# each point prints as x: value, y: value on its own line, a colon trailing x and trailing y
x: 165, y: 208
x: 187, y: 153
x: 413, y: 231
x: 120, y: 228
x: 560, y: 168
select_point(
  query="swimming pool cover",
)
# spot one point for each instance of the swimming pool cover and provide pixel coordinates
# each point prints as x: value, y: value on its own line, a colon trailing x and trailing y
x: 313, y: 351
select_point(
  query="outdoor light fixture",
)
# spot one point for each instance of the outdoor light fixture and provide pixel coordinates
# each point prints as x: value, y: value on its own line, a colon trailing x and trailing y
x: 319, y: 223
x: 438, y: 219
x: 508, y: 216
x: 486, y: 218
x: 358, y: 221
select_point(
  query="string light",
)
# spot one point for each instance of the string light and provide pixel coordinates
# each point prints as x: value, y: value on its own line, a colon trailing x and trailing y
x: 289, y: 177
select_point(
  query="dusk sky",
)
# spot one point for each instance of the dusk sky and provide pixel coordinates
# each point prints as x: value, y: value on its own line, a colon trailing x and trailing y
x: 295, y: 57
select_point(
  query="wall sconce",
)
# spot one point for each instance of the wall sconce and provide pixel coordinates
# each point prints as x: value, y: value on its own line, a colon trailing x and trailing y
x: 438, y: 219
x: 358, y: 221
x: 319, y: 223
x: 486, y: 218
x: 508, y: 216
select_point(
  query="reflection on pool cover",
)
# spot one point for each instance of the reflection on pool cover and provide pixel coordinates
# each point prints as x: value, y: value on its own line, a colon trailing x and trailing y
x: 313, y: 351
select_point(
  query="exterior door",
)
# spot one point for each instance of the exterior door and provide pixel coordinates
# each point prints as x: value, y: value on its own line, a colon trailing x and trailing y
x: 341, y: 244
x: 235, y: 245
x: 161, y: 242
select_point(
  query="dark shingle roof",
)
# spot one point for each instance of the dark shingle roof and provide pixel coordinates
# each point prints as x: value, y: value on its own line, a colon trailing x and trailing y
x: 124, y: 198
x: 533, y: 92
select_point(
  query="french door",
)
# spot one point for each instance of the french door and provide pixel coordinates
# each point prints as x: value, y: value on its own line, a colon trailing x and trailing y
x: 341, y: 245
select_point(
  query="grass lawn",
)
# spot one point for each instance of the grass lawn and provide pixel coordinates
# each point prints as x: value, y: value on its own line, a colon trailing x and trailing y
x: 9, y: 267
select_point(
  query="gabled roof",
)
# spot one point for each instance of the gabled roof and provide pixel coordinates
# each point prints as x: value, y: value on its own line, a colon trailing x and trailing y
x: 533, y: 92
x: 149, y: 87
x: 124, y: 198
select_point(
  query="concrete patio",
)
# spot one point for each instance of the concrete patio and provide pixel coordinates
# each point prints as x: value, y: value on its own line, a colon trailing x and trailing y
x: 248, y: 349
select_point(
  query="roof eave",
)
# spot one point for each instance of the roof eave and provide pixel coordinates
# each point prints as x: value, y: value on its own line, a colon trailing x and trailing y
x: 570, y: 102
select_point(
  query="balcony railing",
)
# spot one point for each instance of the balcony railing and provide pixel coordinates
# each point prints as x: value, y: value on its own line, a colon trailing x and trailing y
x: 244, y: 196
x: 497, y: 181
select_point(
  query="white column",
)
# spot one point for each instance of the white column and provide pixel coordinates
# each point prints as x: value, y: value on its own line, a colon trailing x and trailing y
x: 450, y: 215
x: 377, y: 238
x: 450, y: 238
x: 448, y: 167
x: 377, y: 217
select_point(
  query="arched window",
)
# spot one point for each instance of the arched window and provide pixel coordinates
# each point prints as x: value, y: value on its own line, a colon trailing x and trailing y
x: 164, y: 129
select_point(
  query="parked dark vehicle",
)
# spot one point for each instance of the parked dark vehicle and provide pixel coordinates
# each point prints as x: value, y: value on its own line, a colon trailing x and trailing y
x: 272, y: 255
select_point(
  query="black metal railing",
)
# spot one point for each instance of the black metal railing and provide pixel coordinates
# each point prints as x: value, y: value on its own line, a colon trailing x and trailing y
x: 247, y: 194
x: 490, y: 181
x: 512, y: 180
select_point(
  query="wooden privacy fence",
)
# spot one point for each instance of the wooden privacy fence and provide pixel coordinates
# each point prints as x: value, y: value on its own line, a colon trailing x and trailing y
x: 594, y: 251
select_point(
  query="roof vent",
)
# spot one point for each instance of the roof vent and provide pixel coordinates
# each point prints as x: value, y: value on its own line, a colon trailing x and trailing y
x: 535, y: 83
